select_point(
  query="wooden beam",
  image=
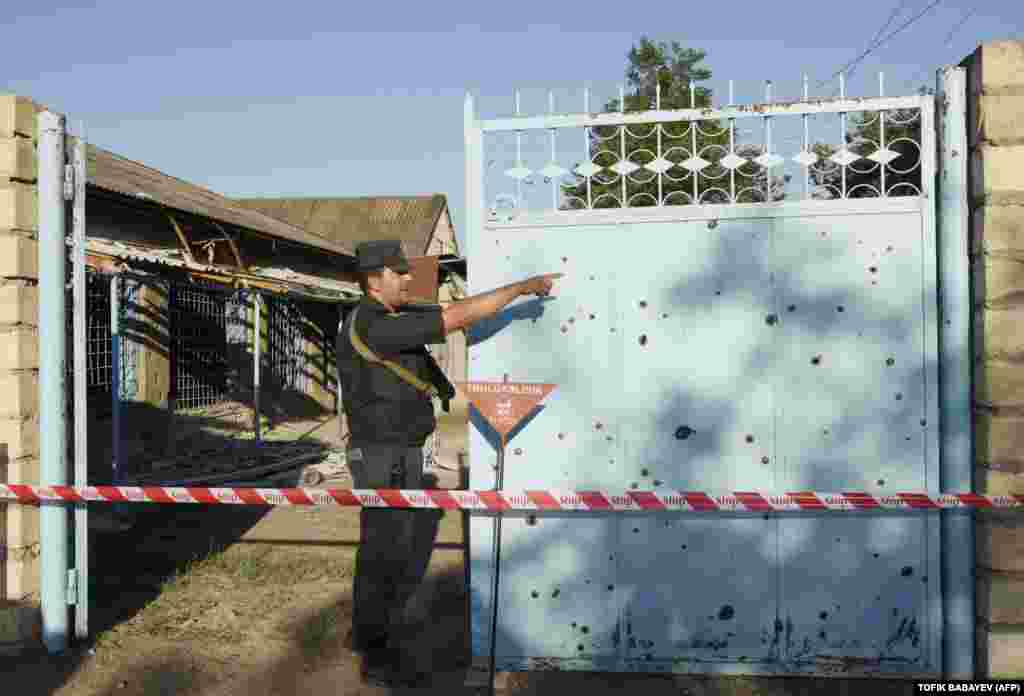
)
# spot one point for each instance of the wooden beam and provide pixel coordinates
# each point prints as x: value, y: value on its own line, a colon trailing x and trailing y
x: 103, y: 264
x: 185, y: 247
x: 231, y: 243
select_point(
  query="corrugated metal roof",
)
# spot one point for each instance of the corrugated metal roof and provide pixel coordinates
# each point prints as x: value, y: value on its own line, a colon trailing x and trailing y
x: 120, y: 175
x: 314, y: 286
x: 348, y: 221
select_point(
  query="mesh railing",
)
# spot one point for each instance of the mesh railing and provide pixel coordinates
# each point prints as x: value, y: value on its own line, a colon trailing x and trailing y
x: 286, y: 344
x: 99, y: 350
x: 199, y: 365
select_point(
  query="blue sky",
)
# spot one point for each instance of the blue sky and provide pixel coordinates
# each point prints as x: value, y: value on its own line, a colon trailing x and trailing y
x: 323, y: 99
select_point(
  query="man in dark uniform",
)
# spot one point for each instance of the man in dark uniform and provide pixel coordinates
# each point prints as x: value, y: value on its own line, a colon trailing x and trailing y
x: 387, y: 380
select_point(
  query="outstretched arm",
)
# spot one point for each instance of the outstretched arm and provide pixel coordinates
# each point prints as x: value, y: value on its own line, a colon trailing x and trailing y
x: 465, y: 313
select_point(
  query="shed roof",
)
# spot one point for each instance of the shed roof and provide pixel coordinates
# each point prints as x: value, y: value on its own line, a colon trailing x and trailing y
x: 112, y: 172
x: 348, y: 221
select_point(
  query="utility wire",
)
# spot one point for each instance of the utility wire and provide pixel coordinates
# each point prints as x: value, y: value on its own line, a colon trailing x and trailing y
x: 896, y: 11
x: 945, y: 44
x: 881, y: 42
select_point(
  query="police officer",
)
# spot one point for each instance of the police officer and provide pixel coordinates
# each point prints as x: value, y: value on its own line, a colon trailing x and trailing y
x: 387, y: 381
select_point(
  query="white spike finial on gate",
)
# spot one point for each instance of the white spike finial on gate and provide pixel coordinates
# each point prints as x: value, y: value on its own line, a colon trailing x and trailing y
x: 551, y: 101
x: 657, y: 95
x: 842, y: 85
x: 622, y: 98
x: 693, y: 97
x: 517, y: 102
x: 881, y: 83
x: 767, y: 91
x: 731, y: 100
x: 807, y: 88
x: 586, y: 100
x: 467, y: 110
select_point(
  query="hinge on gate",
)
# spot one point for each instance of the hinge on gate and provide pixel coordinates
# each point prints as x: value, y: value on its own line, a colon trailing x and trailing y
x: 72, y: 587
x: 69, y: 182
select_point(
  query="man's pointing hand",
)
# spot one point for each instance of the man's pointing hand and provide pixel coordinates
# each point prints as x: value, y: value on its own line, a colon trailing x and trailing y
x: 541, y: 285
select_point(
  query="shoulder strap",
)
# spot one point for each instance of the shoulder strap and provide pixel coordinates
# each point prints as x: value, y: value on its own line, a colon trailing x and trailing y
x: 400, y: 372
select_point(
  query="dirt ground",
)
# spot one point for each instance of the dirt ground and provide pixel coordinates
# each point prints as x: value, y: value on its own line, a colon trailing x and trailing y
x: 231, y: 601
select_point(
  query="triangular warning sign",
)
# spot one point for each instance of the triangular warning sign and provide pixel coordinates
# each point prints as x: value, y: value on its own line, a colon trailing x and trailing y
x: 505, y: 404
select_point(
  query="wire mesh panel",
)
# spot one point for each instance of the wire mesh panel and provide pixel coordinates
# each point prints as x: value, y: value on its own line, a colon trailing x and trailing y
x: 97, y: 334
x: 286, y: 353
x: 198, y: 346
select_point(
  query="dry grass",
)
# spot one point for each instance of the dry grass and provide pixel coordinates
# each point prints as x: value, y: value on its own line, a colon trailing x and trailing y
x: 322, y: 628
x: 221, y: 596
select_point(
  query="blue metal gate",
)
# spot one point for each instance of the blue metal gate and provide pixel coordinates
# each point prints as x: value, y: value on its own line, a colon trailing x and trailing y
x: 734, y: 316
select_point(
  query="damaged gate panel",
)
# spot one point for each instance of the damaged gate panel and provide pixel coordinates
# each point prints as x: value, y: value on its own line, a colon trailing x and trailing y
x: 697, y: 354
x: 561, y: 589
x: 856, y: 592
x: 768, y: 346
x: 718, y: 368
x: 697, y: 346
x: 854, y: 353
x: 575, y: 442
x: 861, y: 369
x: 700, y: 590
x: 572, y: 443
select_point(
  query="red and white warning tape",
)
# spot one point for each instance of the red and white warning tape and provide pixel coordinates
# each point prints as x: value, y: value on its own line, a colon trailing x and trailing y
x: 491, y: 501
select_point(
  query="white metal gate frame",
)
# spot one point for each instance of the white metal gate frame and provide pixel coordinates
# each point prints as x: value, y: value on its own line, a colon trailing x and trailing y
x: 945, y: 468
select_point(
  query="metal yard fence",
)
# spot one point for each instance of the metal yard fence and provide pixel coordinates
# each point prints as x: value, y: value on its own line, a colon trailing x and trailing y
x: 207, y: 328
x: 199, y: 365
x: 99, y: 353
x: 286, y: 343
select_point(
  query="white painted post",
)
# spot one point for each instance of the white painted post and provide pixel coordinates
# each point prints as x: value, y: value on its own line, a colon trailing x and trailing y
x: 53, y: 519
x: 80, y: 387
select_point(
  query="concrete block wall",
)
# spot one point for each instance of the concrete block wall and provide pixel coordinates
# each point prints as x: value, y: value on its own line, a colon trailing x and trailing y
x: 996, y: 140
x: 19, y: 343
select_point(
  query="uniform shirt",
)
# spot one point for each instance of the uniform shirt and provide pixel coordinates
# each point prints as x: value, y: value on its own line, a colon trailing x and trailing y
x: 381, y: 407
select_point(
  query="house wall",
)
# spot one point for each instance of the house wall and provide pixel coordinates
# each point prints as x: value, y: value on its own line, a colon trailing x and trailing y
x: 996, y: 140
x: 19, y: 344
x: 454, y: 357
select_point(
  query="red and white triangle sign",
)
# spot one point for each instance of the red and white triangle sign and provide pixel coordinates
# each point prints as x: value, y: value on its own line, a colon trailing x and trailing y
x: 505, y: 404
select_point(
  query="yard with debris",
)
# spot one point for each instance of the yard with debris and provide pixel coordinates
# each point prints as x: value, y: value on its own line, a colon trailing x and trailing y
x: 225, y: 601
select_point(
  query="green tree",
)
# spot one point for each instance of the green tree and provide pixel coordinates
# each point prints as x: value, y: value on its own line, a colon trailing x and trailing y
x: 898, y: 132
x: 677, y: 71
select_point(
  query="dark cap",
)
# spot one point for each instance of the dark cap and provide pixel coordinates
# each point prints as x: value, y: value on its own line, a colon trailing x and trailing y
x: 377, y: 254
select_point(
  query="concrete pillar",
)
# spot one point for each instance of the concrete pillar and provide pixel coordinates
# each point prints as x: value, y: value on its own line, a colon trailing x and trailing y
x: 19, y: 344
x: 996, y: 141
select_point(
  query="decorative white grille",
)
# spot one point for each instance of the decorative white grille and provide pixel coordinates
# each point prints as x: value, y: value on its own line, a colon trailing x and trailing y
x: 830, y: 149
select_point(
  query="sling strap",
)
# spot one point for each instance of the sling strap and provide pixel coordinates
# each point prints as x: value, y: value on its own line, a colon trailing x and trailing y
x: 400, y: 372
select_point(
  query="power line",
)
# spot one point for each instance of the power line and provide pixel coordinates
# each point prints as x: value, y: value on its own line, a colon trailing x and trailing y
x: 945, y: 44
x: 896, y: 11
x: 881, y: 42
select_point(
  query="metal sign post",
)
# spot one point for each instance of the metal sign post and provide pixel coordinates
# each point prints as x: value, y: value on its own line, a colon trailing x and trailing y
x: 504, y: 405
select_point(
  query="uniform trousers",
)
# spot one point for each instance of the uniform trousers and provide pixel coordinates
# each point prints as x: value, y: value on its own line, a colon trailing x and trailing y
x: 394, y: 545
